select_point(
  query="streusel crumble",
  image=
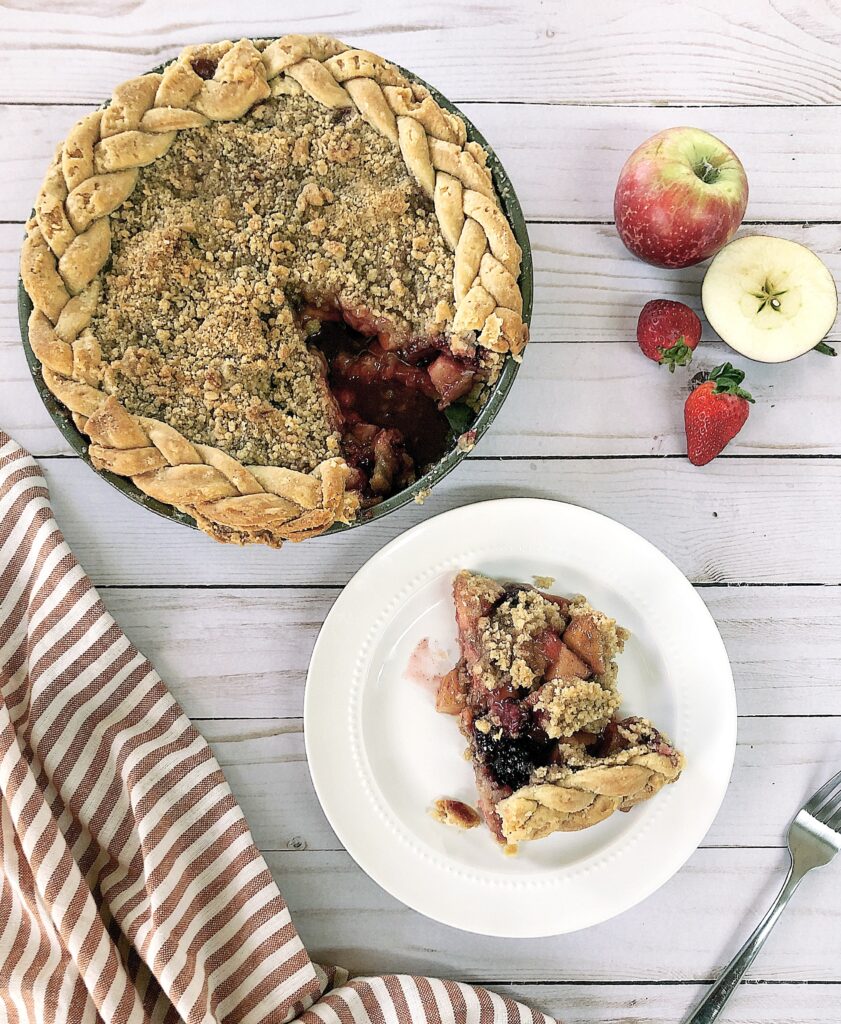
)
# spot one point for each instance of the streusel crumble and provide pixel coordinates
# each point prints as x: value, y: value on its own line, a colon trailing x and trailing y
x: 225, y: 241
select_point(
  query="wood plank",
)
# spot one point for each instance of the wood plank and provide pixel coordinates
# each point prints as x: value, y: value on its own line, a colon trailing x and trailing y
x: 686, y: 931
x: 775, y: 638
x: 243, y: 653
x: 563, y: 160
x: 665, y: 1004
x: 558, y: 51
x: 779, y: 762
x: 22, y: 168
x: 226, y: 653
x: 575, y: 399
x: 735, y: 521
x: 587, y: 286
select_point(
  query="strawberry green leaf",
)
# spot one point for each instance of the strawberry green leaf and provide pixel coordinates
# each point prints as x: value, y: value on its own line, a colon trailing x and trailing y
x: 727, y: 379
x: 680, y: 354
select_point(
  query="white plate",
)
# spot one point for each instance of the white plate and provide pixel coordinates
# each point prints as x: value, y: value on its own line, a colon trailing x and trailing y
x: 380, y: 754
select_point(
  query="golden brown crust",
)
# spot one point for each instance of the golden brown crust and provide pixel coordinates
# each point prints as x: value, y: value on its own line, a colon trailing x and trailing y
x: 449, y: 207
x: 77, y: 151
x: 46, y: 344
x: 98, y: 196
x: 577, y: 799
x: 415, y: 150
x: 96, y: 171
x: 40, y: 276
x: 50, y: 211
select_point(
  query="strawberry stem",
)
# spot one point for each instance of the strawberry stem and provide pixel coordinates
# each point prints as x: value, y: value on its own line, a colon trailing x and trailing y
x: 727, y: 380
x: 680, y: 354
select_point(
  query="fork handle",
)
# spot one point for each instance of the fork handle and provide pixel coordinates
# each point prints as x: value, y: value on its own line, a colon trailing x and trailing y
x: 713, y: 1003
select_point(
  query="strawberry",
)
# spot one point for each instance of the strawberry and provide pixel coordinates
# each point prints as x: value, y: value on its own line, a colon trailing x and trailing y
x: 667, y: 332
x: 714, y: 413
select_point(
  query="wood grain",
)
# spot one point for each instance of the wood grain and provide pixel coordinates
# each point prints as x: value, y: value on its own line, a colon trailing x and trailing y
x: 665, y: 1004
x: 556, y: 51
x: 735, y: 521
x: 686, y: 931
x: 243, y: 653
x: 563, y: 160
x: 779, y: 762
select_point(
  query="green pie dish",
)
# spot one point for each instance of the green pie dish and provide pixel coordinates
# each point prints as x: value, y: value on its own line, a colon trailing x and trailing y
x: 476, y: 423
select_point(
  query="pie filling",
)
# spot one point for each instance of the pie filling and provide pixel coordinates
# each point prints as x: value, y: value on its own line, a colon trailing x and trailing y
x: 536, y: 696
x: 280, y: 288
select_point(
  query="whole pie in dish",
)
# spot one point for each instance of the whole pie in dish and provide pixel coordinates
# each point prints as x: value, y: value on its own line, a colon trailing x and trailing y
x: 535, y: 690
x: 260, y: 277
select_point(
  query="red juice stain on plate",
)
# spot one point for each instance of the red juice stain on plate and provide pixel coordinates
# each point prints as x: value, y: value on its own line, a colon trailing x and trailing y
x: 426, y: 666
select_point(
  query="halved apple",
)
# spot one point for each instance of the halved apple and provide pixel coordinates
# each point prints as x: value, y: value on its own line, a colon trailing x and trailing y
x: 769, y: 298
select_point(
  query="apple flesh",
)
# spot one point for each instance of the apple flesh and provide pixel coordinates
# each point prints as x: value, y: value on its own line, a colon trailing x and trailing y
x: 769, y: 298
x: 680, y: 197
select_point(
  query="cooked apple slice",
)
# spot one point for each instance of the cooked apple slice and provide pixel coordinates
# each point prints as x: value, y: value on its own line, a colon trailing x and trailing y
x: 451, y: 697
x: 568, y: 665
x: 584, y: 639
x: 769, y: 298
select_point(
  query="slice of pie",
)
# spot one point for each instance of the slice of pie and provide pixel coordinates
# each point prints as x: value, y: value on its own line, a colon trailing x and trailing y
x: 260, y: 277
x: 536, y: 695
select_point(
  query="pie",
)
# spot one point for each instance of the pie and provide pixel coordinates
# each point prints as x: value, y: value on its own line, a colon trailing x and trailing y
x: 260, y: 277
x: 535, y: 690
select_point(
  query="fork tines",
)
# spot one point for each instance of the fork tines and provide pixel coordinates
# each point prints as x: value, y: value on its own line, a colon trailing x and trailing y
x: 826, y: 803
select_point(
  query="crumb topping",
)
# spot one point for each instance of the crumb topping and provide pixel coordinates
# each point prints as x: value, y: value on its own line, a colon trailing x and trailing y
x: 570, y: 705
x: 507, y: 634
x: 223, y: 242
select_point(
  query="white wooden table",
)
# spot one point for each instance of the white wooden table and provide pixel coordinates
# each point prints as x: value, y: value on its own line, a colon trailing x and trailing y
x: 563, y: 89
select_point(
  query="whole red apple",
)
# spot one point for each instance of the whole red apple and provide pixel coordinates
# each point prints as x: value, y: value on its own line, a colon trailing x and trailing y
x: 680, y: 197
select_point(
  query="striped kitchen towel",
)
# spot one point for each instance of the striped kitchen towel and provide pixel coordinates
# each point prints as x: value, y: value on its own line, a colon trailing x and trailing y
x: 130, y: 887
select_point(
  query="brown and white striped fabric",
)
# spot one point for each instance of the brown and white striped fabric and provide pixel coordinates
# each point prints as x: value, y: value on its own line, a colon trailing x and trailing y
x: 130, y: 887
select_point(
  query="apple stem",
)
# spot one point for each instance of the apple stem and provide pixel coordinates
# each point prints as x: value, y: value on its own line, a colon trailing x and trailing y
x: 707, y: 172
x: 824, y: 349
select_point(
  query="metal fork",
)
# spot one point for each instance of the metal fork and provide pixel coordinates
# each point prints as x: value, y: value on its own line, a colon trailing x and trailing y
x: 814, y: 837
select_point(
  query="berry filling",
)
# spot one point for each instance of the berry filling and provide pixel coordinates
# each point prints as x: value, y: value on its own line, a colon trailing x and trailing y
x: 204, y: 67
x: 512, y: 759
x: 390, y: 393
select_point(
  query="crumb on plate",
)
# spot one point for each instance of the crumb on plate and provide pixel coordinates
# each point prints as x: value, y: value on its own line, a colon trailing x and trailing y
x: 453, y: 812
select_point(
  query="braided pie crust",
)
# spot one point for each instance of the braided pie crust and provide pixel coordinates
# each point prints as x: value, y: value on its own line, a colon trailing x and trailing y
x: 95, y: 171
